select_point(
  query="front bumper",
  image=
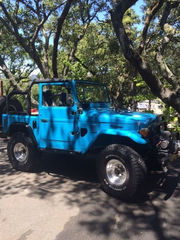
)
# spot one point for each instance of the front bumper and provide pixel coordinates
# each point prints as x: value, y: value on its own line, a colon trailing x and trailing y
x: 169, y: 154
x: 164, y: 146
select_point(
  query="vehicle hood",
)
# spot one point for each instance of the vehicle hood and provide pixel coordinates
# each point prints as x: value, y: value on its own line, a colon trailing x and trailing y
x: 121, y: 118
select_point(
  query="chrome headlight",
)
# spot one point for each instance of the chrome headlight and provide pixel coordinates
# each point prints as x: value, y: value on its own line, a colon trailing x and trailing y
x: 164, y: 144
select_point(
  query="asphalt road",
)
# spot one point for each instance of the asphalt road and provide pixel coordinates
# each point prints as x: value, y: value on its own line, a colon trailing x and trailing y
x: 63, y: 201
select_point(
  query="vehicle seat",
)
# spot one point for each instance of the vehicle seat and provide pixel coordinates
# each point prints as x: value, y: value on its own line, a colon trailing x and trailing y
x: 63, y: 99
x: 48, y: 97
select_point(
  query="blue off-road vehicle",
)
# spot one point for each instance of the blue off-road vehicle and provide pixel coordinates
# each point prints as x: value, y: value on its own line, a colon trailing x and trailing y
x: 76, y: 116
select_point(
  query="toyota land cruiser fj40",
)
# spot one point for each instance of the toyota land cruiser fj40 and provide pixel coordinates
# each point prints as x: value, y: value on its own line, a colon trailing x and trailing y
x: 76, y: 116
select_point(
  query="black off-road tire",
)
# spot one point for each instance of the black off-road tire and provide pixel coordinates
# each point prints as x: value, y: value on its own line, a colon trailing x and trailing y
x: 14, y: 106
x: 2, y: 100
x: 22, y: 152
x: 121, y: 171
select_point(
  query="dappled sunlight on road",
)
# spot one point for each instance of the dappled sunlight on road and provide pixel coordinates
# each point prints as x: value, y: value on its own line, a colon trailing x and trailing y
x: 71, y: 182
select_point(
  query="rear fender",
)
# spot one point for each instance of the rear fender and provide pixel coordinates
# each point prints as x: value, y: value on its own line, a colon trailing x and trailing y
x: 22, y: 127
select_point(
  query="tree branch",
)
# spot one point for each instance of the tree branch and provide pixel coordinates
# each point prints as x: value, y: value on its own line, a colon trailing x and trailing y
x: 84, y: 65
x: 166, y: 72
x: 8, y: 74
x: 16, y: 8
x: 45, y: 51
x: 31, y: 50
x: 167, y: 10
x: 28, y: 6
x: 120, y: 6
x: 60, y: 22
x: 73, y: 51
x: 150, y: 13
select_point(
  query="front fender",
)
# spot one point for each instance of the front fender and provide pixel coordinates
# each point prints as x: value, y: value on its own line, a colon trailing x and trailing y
x: 115, y: 136
x: 133, y: 135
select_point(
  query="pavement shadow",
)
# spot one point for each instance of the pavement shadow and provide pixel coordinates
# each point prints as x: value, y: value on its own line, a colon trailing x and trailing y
x: 154, y: 214
x: 74, y: 167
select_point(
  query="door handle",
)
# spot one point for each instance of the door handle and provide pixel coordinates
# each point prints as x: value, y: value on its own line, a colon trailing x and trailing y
x: 43, y: 120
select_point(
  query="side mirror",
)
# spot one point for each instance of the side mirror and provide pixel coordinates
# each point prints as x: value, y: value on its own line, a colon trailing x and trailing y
x: 80, y: 110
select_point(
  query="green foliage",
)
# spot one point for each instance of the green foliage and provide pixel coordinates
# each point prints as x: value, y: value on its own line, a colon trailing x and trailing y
x: 92, y: 93
x: 171, y: 117
x: 88, y: 47
x: 164, y: 38
x: 15, y: 58
x: 98, y: 55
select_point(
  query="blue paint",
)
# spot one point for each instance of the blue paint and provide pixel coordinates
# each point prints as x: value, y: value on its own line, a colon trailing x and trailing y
x: 61, y: 127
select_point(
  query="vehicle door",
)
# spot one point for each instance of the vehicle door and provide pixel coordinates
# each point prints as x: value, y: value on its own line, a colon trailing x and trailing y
x: 57, y: 116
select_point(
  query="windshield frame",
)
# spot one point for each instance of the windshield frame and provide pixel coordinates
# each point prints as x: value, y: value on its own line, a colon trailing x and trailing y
x: 90, y: 83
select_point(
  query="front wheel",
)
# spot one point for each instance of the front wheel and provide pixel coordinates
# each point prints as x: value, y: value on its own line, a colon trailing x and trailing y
x: 22, y: 152
x: 121, y: 170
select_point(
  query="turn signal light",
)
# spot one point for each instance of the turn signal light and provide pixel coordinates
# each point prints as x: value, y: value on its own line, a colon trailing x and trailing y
x: 144, y: 132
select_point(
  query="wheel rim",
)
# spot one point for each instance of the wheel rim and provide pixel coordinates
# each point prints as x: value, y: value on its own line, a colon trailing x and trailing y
x: 20, y: 152
x: 116, y: 172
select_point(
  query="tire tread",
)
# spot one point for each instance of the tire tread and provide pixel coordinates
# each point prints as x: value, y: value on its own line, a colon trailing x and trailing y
x: 133, y: 159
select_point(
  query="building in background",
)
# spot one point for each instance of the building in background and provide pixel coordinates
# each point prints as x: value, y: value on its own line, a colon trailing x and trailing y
x: 156, y: 106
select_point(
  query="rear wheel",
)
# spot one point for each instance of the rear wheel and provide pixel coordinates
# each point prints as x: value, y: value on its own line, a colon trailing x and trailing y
x: 22, y: 152
x: 121, y: 170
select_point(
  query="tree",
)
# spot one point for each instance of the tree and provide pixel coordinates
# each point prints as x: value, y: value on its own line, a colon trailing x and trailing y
x: 77, y: 26
x: 91, y: 50
x: 71, y: 39
x: 27, y: 22
x: 37, y: 27
x: 14, y: 63
x: 158, y: 39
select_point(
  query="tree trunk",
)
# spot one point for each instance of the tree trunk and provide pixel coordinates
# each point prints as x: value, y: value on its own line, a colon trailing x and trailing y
x: 171, y: 98
x: 61, y: 20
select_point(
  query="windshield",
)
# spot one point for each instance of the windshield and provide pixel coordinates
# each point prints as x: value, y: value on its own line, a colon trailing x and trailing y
x: 92, y: 93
